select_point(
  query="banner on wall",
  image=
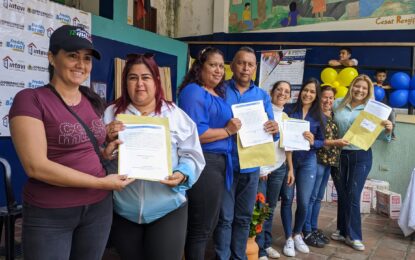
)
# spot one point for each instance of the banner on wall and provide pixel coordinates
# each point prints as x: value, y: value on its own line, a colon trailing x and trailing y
x: 321, y: 15
x: 25, y: 28
x: 285, y: 65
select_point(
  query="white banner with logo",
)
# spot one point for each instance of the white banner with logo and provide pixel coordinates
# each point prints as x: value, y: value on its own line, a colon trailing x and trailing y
x: 25, y: 28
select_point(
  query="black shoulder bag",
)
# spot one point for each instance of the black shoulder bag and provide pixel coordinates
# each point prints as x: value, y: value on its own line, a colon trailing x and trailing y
x: 108, y: 166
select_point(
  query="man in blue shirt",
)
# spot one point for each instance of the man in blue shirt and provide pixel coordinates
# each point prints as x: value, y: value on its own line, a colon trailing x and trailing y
x: 232, y: 231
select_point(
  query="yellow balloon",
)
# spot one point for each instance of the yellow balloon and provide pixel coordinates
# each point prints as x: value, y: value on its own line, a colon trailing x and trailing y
x: 336, y: 84
x: 346, y: 76
x: 341, y: 92
x: 328, y: 75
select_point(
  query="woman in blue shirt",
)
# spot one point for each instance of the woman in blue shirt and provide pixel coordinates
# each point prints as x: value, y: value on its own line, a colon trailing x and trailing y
x: 307, y: 108
x: 201, y: 97
x: 355, y: 163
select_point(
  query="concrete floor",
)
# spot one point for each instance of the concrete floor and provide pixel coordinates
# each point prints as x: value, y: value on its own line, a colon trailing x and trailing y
x: 382, y: 237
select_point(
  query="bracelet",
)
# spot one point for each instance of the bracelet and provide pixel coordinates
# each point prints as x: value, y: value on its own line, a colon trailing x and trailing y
x: 227, y: 131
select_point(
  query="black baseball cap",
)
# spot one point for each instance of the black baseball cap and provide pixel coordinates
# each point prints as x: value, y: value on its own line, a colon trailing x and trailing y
x: 72, y: 38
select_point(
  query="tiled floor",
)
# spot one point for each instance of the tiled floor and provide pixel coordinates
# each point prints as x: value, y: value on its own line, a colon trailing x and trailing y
x: 382, y: 237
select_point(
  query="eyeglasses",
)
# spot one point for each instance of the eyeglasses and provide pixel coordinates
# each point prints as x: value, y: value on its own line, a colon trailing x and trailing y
x: 133, y: 56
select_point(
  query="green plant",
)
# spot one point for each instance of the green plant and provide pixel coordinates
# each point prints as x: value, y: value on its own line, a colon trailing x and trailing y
x: 260, y: 214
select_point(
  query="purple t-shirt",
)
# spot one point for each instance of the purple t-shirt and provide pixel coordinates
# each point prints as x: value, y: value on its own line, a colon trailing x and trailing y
x: 67, y: 144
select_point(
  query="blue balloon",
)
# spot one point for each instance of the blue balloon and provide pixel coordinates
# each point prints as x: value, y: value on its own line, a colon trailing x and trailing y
x: 399, y: 98
x: 412, y: 83
x: 400, y: 80
x: 412, y: 97
x: 379, y: 93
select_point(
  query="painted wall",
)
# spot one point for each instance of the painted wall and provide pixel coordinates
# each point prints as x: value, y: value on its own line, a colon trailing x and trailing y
x: 395, y: 161
x: 118, y: 29
x: 194, y: 17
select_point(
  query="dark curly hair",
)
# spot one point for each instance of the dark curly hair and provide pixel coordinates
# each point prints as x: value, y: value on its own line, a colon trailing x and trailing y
x: 194, y: 74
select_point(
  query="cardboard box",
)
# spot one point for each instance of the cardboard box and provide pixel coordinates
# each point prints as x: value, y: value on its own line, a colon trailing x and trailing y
x: 377, y: 185
x: 331, y: 193
x: 388, y: 203
x: 366, y: 200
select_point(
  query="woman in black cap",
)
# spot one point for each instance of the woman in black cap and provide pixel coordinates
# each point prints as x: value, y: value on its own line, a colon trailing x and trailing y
x: 67, y: 209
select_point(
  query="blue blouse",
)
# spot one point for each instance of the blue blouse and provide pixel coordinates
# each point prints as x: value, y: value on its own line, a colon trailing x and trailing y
x: 209, y: 111
x: 315, y: 129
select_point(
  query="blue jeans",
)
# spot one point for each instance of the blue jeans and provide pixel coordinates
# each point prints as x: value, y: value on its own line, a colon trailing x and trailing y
x: 271, y: 187
x: 322, y: 177
x: 354, y: 169
x: 305, y: 170
x: 232, y: 231
x: 66, y: 233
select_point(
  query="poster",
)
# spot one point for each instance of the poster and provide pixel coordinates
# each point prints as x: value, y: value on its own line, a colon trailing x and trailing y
x: 285, y: 65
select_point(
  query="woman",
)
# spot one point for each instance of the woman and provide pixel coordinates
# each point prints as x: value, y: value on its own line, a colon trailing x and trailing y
x: 272, y: 177
x: 201, y: 97
x: 327, y: 158
x: 355, y: 164
x: 306, y: 108
x: 67, y: 206
x: 150, y: 217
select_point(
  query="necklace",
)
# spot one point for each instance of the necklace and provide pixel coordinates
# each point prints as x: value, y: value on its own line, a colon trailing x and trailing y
x: 74, y: 100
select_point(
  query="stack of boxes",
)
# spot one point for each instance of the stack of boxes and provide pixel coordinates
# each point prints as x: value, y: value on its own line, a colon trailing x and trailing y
x: 375, y: 195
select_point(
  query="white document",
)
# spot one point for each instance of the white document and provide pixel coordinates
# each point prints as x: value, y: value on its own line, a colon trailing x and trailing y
x: 293, y: 135
x: 253, y: 118
x: 143, y: 153
x: 378, y: 109
x: 369, y: 125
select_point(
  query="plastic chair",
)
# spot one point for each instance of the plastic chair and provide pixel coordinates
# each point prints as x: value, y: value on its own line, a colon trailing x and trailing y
x: 10, y: 212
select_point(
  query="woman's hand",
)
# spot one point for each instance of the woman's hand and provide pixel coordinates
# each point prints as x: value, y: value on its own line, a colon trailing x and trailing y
x: 388, y: 126
x: 271, y: 127
x: 341, y: 142
x: 290, y: 178
x: 173, y: 180
x: 309, y: 137
x: 110, y: 151
x: 233, y: 126
x: 115, y: 182
x: 112, y: 130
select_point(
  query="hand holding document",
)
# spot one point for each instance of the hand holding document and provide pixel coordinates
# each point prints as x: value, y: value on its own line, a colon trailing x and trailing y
x: 253, y: 118
x: 146, y: 149
x: 378, y: 109
x: 293, y: 130
x: 367, y: 125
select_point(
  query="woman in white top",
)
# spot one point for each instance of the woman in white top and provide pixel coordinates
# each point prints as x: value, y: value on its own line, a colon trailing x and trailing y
x: 150, y: 217
x: 273, y: 177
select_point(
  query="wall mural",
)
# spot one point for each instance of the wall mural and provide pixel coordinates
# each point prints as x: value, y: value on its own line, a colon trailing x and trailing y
x: 308, y: 15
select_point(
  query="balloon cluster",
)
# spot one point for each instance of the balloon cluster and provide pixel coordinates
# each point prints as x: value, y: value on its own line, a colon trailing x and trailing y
x: 340, y: 81
x: 404, y: 90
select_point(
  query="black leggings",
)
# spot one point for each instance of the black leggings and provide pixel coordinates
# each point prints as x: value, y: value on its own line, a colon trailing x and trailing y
x: 162, y: 239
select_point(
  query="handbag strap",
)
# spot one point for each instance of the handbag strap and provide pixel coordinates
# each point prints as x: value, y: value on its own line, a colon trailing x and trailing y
x: 86, y: 128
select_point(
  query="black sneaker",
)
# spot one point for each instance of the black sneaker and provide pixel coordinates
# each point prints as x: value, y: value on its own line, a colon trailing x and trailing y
x: 322, y: 237
x: 312, y: 239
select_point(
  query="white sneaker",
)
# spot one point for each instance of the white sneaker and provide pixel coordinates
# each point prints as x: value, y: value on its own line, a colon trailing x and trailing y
x: 263, y: 258
x: 300, y: 245
x: 272, y: 253
x: 355, y: 244
x: 337, y: 237
x: 289, y: 247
